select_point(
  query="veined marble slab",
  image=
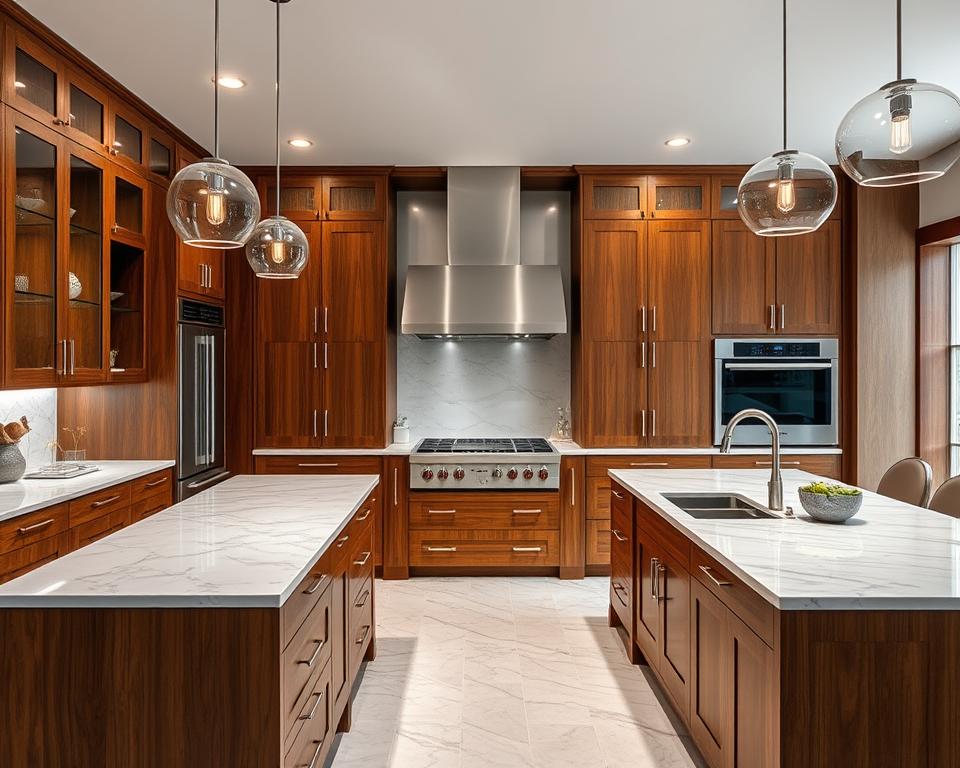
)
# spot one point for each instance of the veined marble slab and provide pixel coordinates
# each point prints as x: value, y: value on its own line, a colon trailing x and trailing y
x: 891, y: 556
x: 30, y: 495
x: 247, y: 542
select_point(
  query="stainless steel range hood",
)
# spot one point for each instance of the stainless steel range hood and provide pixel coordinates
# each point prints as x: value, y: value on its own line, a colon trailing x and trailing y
x: 484, y: 291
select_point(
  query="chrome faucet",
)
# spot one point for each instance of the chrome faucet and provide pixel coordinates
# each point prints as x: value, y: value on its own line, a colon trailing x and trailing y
x: 775, y: 486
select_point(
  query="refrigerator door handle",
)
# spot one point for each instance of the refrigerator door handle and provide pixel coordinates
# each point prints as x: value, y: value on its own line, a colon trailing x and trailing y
x: 211, y: 398
x: 198, y: 380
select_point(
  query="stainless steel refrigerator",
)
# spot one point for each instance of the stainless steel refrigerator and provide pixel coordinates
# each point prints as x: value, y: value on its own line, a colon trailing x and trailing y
x: 200, y: 344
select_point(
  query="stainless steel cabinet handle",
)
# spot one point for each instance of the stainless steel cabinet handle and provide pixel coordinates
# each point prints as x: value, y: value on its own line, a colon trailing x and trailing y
x: 618, y: 588
x: 653, y: 352
x: 325, y: 361
x: 104, y: 502
x: 316, y: 320
x: 573, y: 484
x: 326, y: 422
x: 364, y: 558
x: 783, y: 316
x: 362, y: 600
x: 527, y: 511
x: 653, y: 578
x: 653, y: 319
x: 643, y: 319
x: 315, y: 362
x: 653, y: 417
x: 314, y: 422
x: 63, y: 358
x: 342, y: 540
x: 313, y: 657
x: 618, y: 535
x: 617, y: 494
x: 155, y: 483
x: 35, y: 527
x: 325, y: 328
x: 773, y: 317
x: 202, y: 281
x: 201, y: 483
x: 649, y: 463
x: 366, y: 514
x: 643, y: 423
x: 315, y: 586
x: 318, y: 463
x: 316, y: 755
x: 73, y: 356
x: 313, y: 710
x: 643, y: 354
x: 363, y: 634
x: 528, y: 549
x: 708, y: 572
x: 441, y: 511
x: 782, y: 463
x: 396, y: 501
x: 441, y: 549
x: 661, y: 569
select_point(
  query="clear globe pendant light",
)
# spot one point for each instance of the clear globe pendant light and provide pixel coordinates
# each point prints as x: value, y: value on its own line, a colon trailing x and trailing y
x: 905, y: 133
x: 211, y: 204
x: 790, y: 192
x: 277, y: 248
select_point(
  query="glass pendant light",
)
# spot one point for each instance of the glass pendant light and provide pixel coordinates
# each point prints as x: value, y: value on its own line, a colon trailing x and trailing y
x: 905, y: 133
x: 278, y: 248
x: 211, y: 204
x: 790, y: 192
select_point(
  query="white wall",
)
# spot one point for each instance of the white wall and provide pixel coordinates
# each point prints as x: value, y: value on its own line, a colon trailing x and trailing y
x: 40, y: 408
x: 940, y: 199
x: 482, y: 388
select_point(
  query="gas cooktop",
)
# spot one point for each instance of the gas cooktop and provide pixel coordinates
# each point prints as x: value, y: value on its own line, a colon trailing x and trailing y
x: 478, y: 463
x: 484, y: 445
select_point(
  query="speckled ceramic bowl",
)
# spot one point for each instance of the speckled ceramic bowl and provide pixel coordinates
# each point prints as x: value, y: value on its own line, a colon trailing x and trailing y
x: 830, y: 509
x: 12, y: 464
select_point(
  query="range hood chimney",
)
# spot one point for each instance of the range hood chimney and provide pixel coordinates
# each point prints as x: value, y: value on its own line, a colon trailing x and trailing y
x: 484, y: 290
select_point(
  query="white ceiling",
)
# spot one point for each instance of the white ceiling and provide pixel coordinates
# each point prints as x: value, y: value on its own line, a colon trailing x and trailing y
x: 533, y: 82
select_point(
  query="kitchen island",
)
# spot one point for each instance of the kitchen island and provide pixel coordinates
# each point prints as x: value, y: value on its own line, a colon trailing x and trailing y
x: 228, y: 629
x: 788, y: 643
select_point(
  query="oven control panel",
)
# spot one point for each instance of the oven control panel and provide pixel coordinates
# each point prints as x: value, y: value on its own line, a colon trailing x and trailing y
x: 516, y: 474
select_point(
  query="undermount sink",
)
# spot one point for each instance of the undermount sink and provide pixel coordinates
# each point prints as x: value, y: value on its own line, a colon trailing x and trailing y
x: 719, y: 506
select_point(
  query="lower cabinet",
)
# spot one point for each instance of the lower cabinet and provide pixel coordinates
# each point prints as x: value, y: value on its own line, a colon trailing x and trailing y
x: 826, y: 465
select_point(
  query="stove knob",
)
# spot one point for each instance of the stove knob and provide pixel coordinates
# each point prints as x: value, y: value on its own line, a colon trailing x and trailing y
x: 427, y: 474
x: 528, y: 473
x: 458, y: 473
x: 543, y: 474
x: 497, y: 473
x: 442, y: 473
x: 512, y: 473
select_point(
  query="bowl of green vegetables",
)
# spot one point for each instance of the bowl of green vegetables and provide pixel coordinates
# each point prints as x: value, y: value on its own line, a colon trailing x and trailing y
x: 830, y: 502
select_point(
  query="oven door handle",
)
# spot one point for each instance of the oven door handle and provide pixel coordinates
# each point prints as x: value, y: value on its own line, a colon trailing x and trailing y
x: 778, y: 366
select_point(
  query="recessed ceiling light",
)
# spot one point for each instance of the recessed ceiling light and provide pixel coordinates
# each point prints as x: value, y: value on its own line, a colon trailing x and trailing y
x: 677, y: 141
x: 300, y: 143
x: 228, y: 81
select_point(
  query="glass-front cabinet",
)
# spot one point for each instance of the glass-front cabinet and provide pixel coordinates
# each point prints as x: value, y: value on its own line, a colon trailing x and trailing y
x: 32, y: 78
x: 678, y: 197
x: 300, y: 197
x: 86, y: 108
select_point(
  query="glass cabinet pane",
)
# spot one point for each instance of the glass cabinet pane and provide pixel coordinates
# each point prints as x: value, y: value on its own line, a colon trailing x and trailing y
x: 357, y: 198
x: 35, y: 252
x: 679, y: 198
x: 728, y: 198
x: 129, y: 206
x: 616, y: 198
x: 159, y: 158
x: 85, y: 259
x: 294, y: 199
x: 127, y: 139
x: 86, y: 113
x: 126, y: 307
x: 35, y: 82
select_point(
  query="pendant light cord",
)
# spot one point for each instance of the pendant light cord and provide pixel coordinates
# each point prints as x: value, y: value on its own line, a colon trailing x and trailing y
x: 785, y: 74
x: 216, y: 78
x: 899, y: 42
x: 278, y: 108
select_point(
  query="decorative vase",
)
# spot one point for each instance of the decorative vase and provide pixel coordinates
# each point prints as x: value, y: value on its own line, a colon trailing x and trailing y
x: 76, y: 287
x: 830, y: 509
x: 12, y: 463
x: 401, y: 435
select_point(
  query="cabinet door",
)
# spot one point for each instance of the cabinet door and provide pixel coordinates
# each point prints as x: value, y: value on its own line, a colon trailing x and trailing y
x: 353, y: 410
x: 710, y: 676
x: 288, y: 405
x: 340, y: 651
x: 396, y: 552
x: 674, y: 593
x: 744, y: 280
x: 200, y: 271
x: 614, y: 197
x: 289, y: 310
x: 34, y: 349
x: 614, y: 394
x: 128, y: 198
x: 572, y: 534
x: 648, y: 560
x: 723, y: 197
x: 678, y: 280
x: 160, y: 155
x: 612, y: 280
x: 808, y: 282
x: 354, y: 281
x: 86, y: 111
x: 680, y: 394
x: 354, y: 198
x: 126, y: 134
x: 621, y: 558
x: 678, y: 197
x: 300, y: 197
x: 754, y: 708
x: 32, y: 78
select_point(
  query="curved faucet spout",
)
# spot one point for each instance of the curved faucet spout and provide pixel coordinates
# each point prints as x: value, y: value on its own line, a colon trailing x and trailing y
x: 775, y: 486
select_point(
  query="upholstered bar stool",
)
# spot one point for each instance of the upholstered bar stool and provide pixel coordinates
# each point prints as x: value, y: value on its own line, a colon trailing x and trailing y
x: 909, y: 480
x: 947, y: 498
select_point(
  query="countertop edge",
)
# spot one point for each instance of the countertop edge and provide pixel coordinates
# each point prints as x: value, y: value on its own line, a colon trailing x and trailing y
x: 564, y: 448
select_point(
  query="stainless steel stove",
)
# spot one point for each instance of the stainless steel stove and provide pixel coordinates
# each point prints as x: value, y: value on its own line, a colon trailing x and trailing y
x: 472, y: 463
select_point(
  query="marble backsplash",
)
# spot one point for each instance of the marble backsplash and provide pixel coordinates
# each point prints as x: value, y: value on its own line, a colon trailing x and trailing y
x: 40, y: 408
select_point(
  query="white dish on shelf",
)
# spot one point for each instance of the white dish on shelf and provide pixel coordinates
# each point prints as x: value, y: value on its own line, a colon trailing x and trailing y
x: 114, y: 295
x: 31, y: 203
x: 72, y: 211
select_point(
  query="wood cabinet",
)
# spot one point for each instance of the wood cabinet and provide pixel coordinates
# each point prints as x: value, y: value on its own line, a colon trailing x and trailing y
x: 200, y: 272
x: 678, y: 261
x: 744, y: 280
x: 396, y: 552
x: 612, y: 291
x: 808, y: 282
x: 723, y: 198
x: 678, y: 197
x: 572, y: 517
x: 680, y: 388
x: 826, y: 465
x: 613, y: 197
x: 354, y: 198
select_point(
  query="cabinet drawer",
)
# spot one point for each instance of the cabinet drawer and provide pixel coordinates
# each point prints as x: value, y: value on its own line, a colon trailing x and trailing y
x: 502, y: 511
x: 155, y: 484
x: 360, y: 566
x: 598, y: 465
x: 665, y: 535
x: 311, y: 734
x: 305, y: 597
x: 99, y: 528
x: 598, y: 542
x: 598, y: 497
x: 827, y: 465
x: 32, y: 527
x: 361, y: 627
x: 355, y: 539
x: 141, y: 510
x: 308, y: 653
x: 24, y: 559
x: 484, y: 548
x: 318, y: 465
x: 95, y: 505
x: 752, y: 609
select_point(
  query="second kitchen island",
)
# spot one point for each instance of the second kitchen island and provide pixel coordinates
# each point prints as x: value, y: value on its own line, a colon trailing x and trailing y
x: 228, y: 629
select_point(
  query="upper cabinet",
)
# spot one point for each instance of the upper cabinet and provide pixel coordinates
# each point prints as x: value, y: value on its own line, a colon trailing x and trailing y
x: 678, y: 197
x: 614, y: 197
x: 33, y: 78
x: 646, y: 197
x: 724, y: 197
x: 85, y: 105
x: 126, y: 133
x: 331, y: 198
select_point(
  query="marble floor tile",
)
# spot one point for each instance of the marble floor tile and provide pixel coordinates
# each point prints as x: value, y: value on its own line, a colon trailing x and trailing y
x: 426, y: 746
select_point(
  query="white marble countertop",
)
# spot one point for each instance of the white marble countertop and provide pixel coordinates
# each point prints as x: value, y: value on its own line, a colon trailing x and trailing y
x: 891, y: 556
x: 246, y: 542
x: 30, y: 495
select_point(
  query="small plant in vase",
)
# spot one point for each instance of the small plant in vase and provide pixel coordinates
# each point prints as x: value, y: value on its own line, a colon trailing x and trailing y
x: 12, y: 462
x: 77, y: 454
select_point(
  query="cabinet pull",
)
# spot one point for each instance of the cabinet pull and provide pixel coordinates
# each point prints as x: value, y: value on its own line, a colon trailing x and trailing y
x: 342, y: 540
x: 661, y: 568
x: 643, y: 319
x: 313, y: 710
x: 316, y: 320
x: 318, y: 463
x: 643, y: 354
x: 155, y: 483
x: 653, y: 354
x: 649, y: 463
x: 315, y: 586
x: 200, y: 279
x: 653, y: 417
x: 366, y: 514
x: 616, y: 493
x: 325, y: 328
x: 618, y: 588
x: 528, y: 549
x: 441, y: 549
x: 104, y: 502
x: 643, y: 423
x: 654, y: 563
x: 314, y: 422
x: 782, y: 463
x: 326, y: 363
x: 35, y: 527
x: 573, y: 485
x: 773, y: 317
x: 396, y: 502
x: 441, y: 511
x: 619, y: 536
x: 313, y: 657
x: 783, y: 316
x: 364, y: 558
x: 653, y: 319
x: 326, y: 421
x: 527, y: 511
x: 362, y: 600
x: 315, y: 363
x: 73, y: 356
x: 63, y: 357
x: 316, y: 755
x: 708, y: 572
x: 363, y: 634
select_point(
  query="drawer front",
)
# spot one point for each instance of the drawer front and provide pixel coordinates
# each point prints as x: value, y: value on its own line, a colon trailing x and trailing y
x: 311, y: 734
x: 32, y: 527
x: 752, y: 609
x: 429, y: 511
x: 141, y: 510
x: 307, y: 654
x: 353, y: 540
x: 665, y: 535
x: 318, y: 465
x: 155, y: 484
x: 598, y: 497
x: 598, y: 542
x: 621, y: 500
x: 99, y: 528
x: 598, y: 465
x: 826, y: 465
x: 361, y: 628
x: 298, y: 606
x: 484, y: 548
x: 96, y: 505
x: 360, y: 565
x: 24, y: 559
